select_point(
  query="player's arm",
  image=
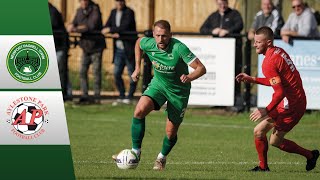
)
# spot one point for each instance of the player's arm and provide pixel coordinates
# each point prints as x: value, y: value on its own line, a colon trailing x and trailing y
x: 249, y: 79
x: 271, y: 71
x: 199, y: 70
x: 277, y: 97
x: 278, y: 94
x: 138, y: 54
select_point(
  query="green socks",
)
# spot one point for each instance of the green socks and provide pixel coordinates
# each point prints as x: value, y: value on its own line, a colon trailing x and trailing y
x: 137, y: 132
x: 168, y: 144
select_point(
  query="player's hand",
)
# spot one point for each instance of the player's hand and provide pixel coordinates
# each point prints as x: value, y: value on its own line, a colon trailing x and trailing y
x: 135, y: 75
x: 185, y: 79
x: 245, y: 78
x: 258, y: 114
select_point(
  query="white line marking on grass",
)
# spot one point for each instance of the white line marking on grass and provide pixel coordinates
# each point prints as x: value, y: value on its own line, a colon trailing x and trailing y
x: 183, y: 123
x: 100, y: 120
x: 217, y: 125
x: 194, y: 163
x: 234, y: 163
x: 208, y: 125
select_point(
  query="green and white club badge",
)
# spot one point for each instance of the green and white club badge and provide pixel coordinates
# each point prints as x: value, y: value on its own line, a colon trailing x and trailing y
x: 27, y: 61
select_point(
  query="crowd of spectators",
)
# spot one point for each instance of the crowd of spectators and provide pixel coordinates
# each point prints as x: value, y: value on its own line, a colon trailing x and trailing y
x: 225, y: 21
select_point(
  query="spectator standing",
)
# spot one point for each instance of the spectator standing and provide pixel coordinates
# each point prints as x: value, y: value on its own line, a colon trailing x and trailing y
x: 87, y: 21
x: 301, y: 22
x: 121, y: 23
x: 61, y: 41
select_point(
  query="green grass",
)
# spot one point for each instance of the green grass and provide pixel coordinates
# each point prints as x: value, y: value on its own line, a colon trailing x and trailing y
x: 209, y: 146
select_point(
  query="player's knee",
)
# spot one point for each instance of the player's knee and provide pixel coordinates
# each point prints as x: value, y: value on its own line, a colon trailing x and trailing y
x: 172, y: 130
x: 274, y: 142
x: 258, y: 133
x: 171, y: 134
x: 139, y: 112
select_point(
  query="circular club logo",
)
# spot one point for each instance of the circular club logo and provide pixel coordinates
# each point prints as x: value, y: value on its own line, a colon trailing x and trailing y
x: 27, y: 115
x: 27, y: 61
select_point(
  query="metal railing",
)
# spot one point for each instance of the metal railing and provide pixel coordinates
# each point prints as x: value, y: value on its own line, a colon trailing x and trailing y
x: 245, y: 63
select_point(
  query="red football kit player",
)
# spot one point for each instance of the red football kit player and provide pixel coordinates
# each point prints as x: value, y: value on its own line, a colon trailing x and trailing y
x: 288, y: 102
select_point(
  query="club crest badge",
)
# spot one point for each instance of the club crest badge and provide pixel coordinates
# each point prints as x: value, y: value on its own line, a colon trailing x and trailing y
x: 27, y: 117
x: 27, y: 62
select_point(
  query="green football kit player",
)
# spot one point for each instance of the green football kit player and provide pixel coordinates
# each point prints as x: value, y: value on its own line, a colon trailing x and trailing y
x: 171, y: 83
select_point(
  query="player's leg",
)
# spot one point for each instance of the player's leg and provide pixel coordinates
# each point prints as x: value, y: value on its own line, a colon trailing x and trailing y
x: 171, y: 137
x: 144, y: 107
x: 176, y: 107
x: 152, y: 99
x: 277, y: 139
x: 261, y: 142
x: 169, y: 141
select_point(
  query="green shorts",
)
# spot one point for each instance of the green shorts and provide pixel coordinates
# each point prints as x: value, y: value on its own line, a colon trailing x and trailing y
x: 176, y: 103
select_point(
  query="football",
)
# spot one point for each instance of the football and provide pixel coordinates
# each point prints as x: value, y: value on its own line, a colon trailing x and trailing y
x: 127, y: 159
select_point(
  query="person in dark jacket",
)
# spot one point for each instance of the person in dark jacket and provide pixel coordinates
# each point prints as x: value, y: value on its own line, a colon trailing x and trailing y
x: 225, y: 22
x: 88, y: 22
x: 61, y: 41
x: 121, y: 23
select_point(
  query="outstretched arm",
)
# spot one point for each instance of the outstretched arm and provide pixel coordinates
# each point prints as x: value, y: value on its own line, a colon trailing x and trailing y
x: 199, y: 70
x: 249, y: 79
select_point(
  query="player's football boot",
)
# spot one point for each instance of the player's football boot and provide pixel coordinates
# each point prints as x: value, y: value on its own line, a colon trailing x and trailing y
x: 311, y: 163
x: 114, y: 157
x: 259, y: 169
x: 159, y: 164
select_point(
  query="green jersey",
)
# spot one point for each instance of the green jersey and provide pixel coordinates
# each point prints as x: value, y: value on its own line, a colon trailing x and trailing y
x: 169, y: 64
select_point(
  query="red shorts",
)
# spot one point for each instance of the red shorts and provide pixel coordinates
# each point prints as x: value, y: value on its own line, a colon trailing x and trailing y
x: 286, y: 119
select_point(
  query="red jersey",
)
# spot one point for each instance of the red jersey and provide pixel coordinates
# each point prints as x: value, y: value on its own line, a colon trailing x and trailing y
x: 282, y: 75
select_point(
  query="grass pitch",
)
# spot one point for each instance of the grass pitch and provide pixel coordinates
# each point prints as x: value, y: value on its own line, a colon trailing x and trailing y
x: 209, y: 146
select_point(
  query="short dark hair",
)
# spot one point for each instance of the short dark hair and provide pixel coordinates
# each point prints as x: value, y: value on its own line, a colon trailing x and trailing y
x: 265, y: 31
x: 163, y: 24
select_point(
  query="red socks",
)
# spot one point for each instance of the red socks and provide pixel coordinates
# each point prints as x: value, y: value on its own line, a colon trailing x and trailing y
x: 292, y: 147
x: 262, y: 149
x: 287, y: 145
